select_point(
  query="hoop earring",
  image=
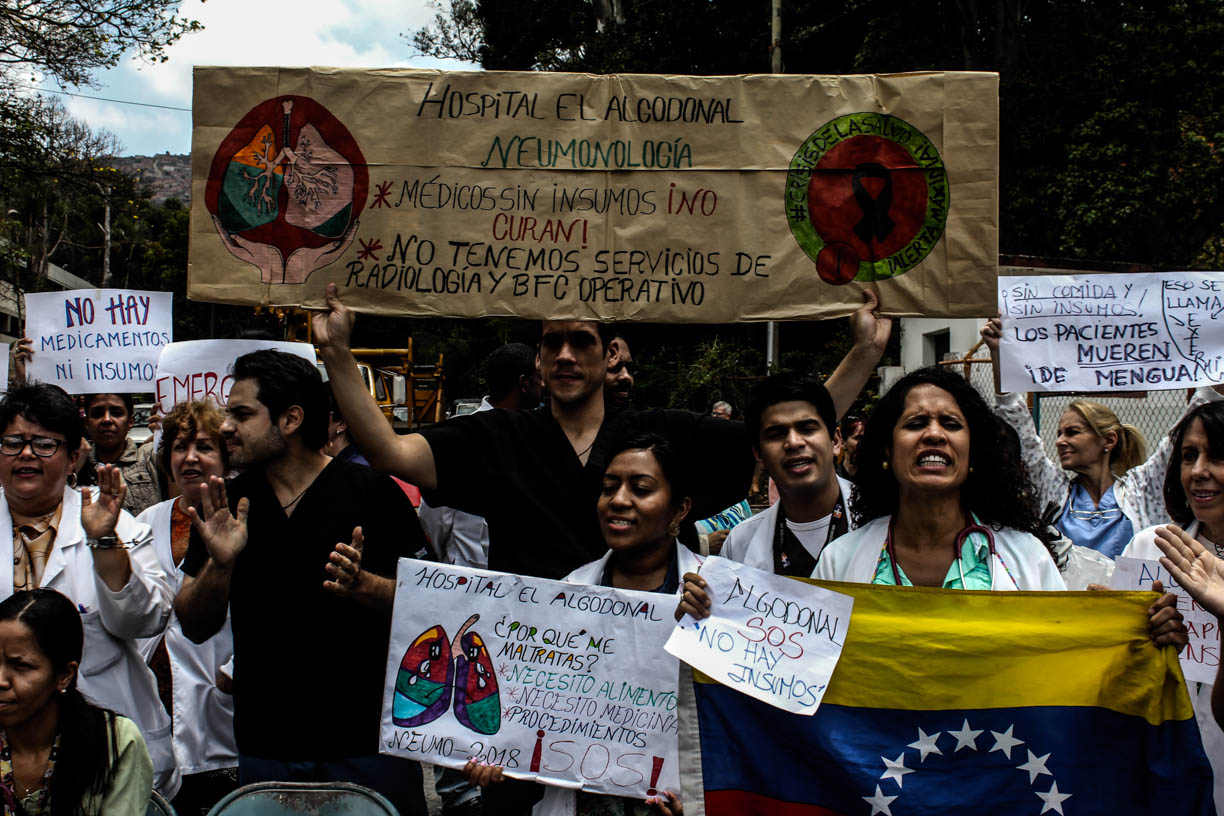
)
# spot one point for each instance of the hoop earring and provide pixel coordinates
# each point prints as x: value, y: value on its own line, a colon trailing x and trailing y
x: 72, y: 480
x: 673, y: 529
x: 884, y: 466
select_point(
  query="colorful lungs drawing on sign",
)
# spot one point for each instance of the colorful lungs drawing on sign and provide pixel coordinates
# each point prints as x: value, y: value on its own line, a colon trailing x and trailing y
x: 867, y: 197
x: 286, y: 188
x: 433, y: 667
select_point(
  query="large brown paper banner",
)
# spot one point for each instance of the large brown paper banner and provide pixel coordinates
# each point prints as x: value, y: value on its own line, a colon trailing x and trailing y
x: 660, y: 198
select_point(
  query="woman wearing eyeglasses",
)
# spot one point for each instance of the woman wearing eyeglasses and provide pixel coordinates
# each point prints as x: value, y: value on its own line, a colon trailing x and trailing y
x: 87, y: 548
x: 1101, y: 490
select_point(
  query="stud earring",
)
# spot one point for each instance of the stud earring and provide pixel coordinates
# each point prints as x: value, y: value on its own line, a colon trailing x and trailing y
x: 883, y: 466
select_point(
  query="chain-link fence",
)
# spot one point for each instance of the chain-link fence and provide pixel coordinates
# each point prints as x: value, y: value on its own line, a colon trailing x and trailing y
x: 1153, y: 413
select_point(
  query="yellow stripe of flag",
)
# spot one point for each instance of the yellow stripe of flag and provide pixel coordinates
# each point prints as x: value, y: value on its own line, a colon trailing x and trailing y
x: 937, y: 649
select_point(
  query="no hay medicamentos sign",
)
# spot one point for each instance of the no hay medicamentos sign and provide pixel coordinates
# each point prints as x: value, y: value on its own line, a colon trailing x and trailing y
x: 93, y: 340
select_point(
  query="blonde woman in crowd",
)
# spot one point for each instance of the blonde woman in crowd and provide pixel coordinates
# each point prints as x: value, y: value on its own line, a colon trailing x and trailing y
x: 1101, y: 491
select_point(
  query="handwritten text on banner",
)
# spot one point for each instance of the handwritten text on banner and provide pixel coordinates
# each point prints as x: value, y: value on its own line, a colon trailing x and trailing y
x: 1201, y: 656
x: 771, y: 637
x: 200, y: 369
x: 1111, y: 332
x: 94, y: 340
x: 566, y: 684
x: 571, y: 196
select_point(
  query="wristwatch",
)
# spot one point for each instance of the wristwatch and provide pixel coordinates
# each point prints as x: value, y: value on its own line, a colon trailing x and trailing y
x: 109, y: 542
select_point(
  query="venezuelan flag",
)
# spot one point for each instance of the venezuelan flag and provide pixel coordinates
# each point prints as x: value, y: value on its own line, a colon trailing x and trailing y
x: 951, y: 702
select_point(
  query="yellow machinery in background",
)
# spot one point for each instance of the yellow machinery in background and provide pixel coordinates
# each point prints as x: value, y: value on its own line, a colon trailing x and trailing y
x: 409, y: 394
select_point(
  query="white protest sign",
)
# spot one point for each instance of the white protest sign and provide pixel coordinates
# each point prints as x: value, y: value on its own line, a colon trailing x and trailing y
x: 1202, y: 655
x: 768, y: 636
x: 199, y: 369
x: 1115, y: 332
x: 98, y: 340
x: 565, y: 684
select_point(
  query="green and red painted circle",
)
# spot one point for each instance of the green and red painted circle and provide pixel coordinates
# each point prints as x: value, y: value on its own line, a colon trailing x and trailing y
x: 866, y: 197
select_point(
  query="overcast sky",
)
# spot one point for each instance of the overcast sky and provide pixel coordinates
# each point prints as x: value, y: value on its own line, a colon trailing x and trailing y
x: 344, y: 33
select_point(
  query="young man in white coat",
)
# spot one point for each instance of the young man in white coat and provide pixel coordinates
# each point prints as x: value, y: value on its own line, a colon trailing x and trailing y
x: 791, y: 421
x: 85, y: 546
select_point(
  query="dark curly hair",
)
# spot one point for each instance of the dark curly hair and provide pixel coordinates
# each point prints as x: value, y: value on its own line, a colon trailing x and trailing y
x: 999, y: 493
x: 1211, y: 414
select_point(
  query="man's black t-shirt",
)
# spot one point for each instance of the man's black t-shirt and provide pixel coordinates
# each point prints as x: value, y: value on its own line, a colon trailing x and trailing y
x: 519, y: 471
x: 308, y: 664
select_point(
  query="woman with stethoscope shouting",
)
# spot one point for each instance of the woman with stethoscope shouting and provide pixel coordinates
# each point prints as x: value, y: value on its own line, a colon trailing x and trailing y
x: 935, y: 510
x: 940, y: 503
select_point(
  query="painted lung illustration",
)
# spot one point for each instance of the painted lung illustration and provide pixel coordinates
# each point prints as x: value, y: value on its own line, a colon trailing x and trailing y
x: 426, y: 676
x: 433, y: 667
x: 286, y: 188
x: 477, y: 703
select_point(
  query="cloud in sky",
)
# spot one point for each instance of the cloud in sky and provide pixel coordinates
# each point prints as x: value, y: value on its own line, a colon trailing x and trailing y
x: 341, y: 33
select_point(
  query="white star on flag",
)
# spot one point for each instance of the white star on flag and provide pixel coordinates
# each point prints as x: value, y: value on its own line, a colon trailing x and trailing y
x: 1005, y: 742
x: 966, y: 737
x: 1036, y: 766
x: 895, y: 769
x: 926, y: 745
x: 1052, y: 798
x: 879, y: 803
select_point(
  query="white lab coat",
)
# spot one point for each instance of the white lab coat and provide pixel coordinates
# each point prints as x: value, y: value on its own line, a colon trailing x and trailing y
x: 854, y: 557
x: 457, y: 537
x: 751, y: 541
x: 1143, y: 545
x: 559, y: 801
x: 203, y: 714
x: 112, y: 672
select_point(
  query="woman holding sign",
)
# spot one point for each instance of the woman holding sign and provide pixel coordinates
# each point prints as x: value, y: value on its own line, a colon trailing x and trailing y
x: 192, y: 679
x: 1101, y: 490
x: 640, y: 508
x: 1194, y: 498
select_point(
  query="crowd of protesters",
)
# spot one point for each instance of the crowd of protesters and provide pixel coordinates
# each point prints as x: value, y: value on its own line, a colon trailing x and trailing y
x: 222, y: 596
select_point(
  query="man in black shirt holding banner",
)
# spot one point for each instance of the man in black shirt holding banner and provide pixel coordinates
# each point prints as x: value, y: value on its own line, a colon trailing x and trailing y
x: 535, y: 475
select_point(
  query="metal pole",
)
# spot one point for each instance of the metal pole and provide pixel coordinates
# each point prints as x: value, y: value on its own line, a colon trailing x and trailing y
x: 106, y: 240
x: 775, y: 67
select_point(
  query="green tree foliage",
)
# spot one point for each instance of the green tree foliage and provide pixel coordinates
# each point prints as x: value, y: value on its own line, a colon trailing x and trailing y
x: 1111, y: 110
x: 1111, y: 114
x: 67, y: 40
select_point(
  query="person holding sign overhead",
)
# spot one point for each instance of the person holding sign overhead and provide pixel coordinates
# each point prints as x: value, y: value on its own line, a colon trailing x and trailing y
x: 641, y: 504
x: 534, y: 475
x: 1102, y: 490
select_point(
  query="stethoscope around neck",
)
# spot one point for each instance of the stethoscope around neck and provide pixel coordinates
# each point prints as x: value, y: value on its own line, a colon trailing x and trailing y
x: 959, y: 546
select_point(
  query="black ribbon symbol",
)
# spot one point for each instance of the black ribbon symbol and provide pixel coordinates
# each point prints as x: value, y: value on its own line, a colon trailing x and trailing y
x: 876, y: 223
